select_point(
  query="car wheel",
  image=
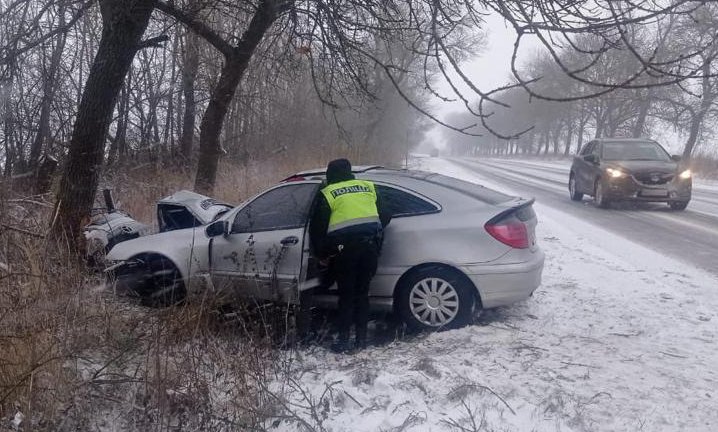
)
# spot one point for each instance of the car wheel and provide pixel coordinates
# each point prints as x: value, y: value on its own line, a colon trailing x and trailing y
x: 678, y: 205
x: 599, y: 195
x: 436, y: 298
x: 575, y: 196
x: 163, y: 285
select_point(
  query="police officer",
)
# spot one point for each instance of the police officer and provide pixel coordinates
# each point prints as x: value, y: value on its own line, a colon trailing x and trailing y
x: 346, y: 231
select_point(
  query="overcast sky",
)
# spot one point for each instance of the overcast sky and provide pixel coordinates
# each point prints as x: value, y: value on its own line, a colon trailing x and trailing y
x: 490, y: 69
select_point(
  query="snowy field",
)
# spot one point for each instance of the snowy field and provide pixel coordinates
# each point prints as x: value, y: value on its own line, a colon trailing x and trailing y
x: 617, y: 338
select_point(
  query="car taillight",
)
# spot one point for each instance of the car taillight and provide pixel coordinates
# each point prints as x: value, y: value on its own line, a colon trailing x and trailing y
x: 510, y: 232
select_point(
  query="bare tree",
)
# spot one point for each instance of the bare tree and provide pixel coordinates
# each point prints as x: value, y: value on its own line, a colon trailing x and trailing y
x: 124, y: 23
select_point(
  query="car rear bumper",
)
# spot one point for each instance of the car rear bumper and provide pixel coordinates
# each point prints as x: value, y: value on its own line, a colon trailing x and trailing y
x: 501, y: 285
x: 629, y: 189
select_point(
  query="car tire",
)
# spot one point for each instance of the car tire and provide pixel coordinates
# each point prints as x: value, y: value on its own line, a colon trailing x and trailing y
x: 575, y: 195
x: 678, y: 205
x: 163, y: 285
x: 599, y: 196
x: 435, y: 298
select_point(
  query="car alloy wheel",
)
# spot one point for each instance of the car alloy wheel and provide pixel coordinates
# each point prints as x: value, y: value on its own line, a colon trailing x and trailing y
x: 434, y: 302
x: 436, y: 297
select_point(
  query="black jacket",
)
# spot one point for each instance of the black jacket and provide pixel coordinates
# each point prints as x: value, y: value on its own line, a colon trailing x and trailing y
x: 320, y: 223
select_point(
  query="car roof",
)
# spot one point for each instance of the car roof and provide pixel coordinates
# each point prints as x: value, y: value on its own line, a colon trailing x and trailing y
x: 322, y: 171
x: 409, y: 178
x: 624, y: 140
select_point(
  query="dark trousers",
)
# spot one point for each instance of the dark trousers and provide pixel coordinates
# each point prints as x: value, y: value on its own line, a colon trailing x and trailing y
x: 354, y: 267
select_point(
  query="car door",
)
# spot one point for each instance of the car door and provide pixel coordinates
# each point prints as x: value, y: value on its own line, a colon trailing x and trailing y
x: 262, y: 256
x: 584, y: 182
x: 594, y: 170
x: 403, y: 204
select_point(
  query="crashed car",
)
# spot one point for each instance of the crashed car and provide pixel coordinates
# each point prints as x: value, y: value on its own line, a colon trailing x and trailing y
x: 183, y: 209
x: 106, y: 229
x: 452, y: 248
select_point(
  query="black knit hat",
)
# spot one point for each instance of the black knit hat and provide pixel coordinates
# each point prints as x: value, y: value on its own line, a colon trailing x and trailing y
x: 339, y: 170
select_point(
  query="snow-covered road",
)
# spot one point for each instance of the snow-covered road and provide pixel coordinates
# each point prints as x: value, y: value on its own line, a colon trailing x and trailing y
x: 619, y: 337
x: 690, y: 235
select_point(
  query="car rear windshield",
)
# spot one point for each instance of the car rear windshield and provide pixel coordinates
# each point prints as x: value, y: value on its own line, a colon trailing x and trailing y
x: 474, y: 190
x: 625, y: 151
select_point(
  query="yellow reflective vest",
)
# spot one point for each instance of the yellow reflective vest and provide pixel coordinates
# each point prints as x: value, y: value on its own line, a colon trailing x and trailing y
x: 352, y: 202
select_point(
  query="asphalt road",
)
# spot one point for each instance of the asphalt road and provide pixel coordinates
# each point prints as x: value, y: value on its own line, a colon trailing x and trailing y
x: 690, y: 236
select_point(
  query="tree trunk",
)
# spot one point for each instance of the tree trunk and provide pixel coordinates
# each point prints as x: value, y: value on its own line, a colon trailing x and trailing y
x: 43, y: 131
x: 642, y: 115
x: 569, y: 138
x: 581, y: 129
x: 556, y: 138
x: 118, y: 146
x: 547, y: 140
x: 123, y: 23
x: 235, y: 65
x: 190, y: 66
x: 168, y: 137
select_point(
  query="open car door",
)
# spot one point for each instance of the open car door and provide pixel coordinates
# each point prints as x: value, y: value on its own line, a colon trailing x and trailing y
x: 263, y: 254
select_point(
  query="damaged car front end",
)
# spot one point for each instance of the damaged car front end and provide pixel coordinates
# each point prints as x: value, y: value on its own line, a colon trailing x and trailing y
x: 155, y: 266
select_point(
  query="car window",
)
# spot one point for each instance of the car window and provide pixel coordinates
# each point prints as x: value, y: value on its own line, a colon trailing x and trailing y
x: 399, y: 203
x: 587, y: 148
x: 635, y: 151
x: 281, y: 208
x: 174, y: 217
x: 596, y: 149
x: 473, y: 190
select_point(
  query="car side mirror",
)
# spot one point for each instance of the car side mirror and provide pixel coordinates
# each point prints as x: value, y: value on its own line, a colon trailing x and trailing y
x: 592, y: 158
x: 217, y: 228
x: 676, y: 158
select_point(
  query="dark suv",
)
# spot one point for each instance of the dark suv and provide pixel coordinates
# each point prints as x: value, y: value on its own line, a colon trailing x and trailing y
x: 612, y: 169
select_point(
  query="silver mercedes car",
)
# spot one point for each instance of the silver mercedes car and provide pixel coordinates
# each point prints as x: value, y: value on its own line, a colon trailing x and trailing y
x: 452, y: 248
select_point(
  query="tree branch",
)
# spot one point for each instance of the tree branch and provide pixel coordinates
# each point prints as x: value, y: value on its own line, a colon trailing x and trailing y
x: 197, y: 26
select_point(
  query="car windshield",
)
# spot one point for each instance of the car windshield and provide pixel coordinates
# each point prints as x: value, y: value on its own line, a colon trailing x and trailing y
x: 624, y: 151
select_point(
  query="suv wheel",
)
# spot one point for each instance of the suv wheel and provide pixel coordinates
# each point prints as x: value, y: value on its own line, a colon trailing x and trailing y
x: 678, y: 205
x: 575, y: 196
x: 599, y: 195
x: 435, y: 298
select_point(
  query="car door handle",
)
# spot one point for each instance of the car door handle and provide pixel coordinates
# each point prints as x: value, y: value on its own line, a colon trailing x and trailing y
x: 290, y: 241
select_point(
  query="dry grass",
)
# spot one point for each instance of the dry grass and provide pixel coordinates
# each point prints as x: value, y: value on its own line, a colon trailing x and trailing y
x: 75, y: 357
x: 137, y: 189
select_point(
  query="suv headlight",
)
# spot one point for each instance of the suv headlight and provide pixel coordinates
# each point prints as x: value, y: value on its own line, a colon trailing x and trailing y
x: 615, y: 173
x: 685, y: 175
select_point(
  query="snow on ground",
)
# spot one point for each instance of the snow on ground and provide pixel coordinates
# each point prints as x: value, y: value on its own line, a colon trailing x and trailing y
x: 618, y: 337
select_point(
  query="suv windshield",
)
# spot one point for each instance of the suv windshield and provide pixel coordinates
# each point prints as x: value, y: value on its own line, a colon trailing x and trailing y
x: 625, y: 151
